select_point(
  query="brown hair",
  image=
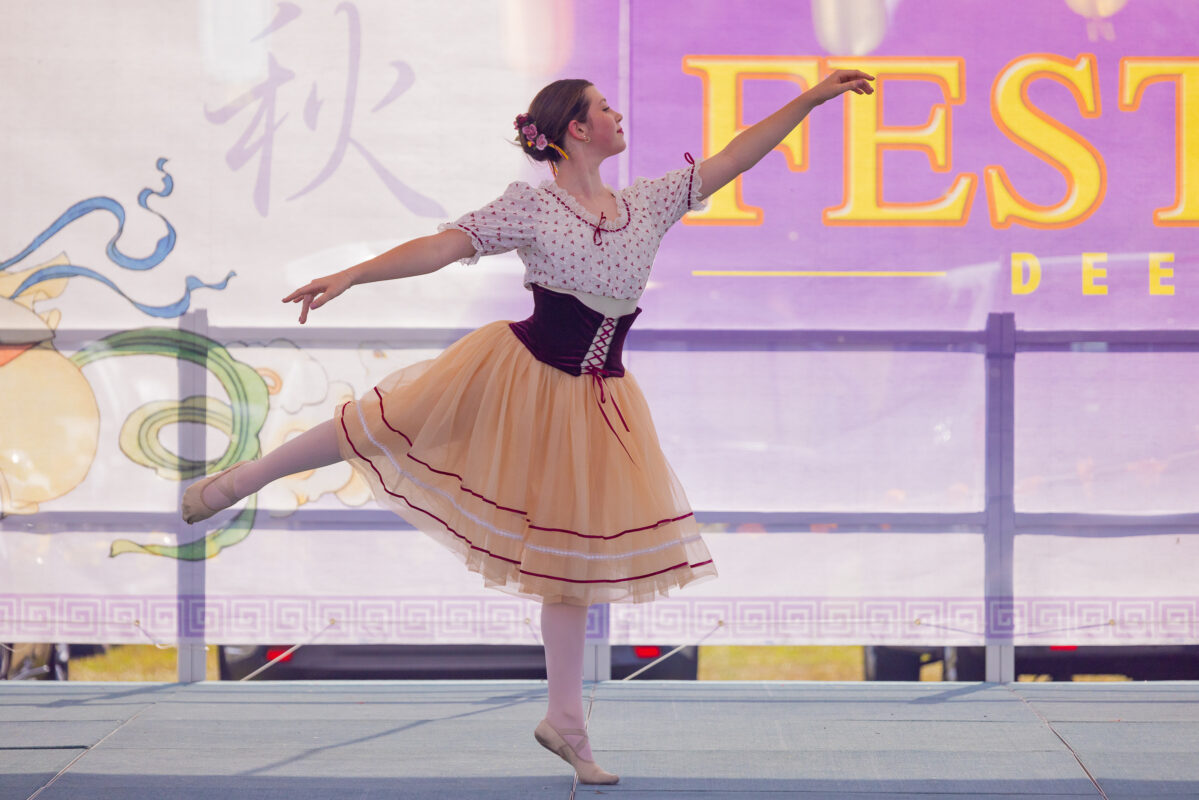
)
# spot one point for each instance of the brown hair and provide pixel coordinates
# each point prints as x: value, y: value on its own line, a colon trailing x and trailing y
x: 551, y: 111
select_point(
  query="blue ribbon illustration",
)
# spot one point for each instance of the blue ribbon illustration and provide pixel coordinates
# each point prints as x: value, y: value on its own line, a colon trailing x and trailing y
x: 162, y: 249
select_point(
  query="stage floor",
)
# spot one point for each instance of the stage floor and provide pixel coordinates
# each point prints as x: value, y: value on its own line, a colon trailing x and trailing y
x: 667, y: 740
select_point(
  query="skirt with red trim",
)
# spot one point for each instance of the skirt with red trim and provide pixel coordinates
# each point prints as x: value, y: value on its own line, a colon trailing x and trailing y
x: 552, y: 486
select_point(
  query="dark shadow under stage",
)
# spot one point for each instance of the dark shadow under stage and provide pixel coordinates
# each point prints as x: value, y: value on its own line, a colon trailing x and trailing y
x: 666, y: 740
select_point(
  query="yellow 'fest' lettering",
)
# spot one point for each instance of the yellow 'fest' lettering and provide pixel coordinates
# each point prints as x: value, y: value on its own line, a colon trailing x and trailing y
x: 723, y: 86
x: 1135, y: 75
x: 1047, y: 139
x: 866, y: 137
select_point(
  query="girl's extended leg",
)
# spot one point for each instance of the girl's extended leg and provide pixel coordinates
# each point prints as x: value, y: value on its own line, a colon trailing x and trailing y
x: 316, y: 447
x: 563, y: 630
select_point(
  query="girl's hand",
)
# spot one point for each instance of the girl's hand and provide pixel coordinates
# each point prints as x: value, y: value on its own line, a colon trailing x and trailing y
x: 319, y: 292
x: 841, y: 81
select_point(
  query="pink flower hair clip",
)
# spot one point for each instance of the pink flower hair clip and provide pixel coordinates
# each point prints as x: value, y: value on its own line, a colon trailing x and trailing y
x: 524, y: 124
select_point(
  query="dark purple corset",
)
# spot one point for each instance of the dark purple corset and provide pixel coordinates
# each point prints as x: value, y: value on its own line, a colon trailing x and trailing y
x: 570, y: 336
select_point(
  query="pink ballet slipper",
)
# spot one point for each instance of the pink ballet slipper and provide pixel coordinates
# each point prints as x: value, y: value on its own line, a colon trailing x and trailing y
x: 193, y: 506
x: 551, y: 739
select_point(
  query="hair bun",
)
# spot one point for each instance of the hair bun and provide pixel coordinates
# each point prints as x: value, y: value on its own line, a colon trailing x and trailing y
x: 541, y: 131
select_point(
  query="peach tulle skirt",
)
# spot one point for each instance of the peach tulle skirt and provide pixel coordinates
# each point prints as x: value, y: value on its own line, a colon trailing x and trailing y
x: 528, y: 473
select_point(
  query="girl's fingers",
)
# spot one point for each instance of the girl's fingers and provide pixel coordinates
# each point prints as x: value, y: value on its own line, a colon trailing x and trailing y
x: 308, y: 295
x: 861, y: 87
x: 853, y: 80
x: 856, y: 75
x: 313, y: 296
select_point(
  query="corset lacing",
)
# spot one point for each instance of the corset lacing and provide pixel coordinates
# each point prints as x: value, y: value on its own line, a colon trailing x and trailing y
x: 593, y: 365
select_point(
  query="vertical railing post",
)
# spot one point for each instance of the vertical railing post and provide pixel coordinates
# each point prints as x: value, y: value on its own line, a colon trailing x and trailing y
x: 190, y: 575
x: 999, y: 534
x: 597, y: 653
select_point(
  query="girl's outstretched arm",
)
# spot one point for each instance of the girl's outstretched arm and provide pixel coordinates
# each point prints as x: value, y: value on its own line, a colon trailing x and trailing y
x: 754, y: 142
x: 417, y: 257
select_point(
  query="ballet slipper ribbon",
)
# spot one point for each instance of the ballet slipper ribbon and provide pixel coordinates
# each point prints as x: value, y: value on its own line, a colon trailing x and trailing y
x: 597, y: 383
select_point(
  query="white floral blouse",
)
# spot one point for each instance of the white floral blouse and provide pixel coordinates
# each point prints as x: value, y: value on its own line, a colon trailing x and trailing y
x: 565, y: 246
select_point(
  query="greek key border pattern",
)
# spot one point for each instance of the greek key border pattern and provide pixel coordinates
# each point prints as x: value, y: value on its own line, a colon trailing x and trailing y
x: 463, y: 620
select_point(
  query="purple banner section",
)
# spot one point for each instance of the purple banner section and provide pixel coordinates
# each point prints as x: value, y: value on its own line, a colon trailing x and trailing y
x: 1037, y: 160
x: 932, y: 621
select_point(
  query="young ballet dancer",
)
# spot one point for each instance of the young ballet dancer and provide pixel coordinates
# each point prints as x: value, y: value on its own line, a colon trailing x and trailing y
x: 526, y: 447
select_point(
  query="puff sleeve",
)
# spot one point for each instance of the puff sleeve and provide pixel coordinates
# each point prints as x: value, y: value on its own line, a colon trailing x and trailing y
x: 506, y: 223
x: 671, y: 196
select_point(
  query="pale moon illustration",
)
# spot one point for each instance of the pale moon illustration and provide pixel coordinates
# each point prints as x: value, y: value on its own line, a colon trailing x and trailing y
x: 49, y: 420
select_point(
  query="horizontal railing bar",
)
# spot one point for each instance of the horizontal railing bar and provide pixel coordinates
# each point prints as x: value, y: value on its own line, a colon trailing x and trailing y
x: 373, y: 516
x: 700, y: 339
x: 1058, y: 524
x: 773, y: 340
x: 769, y: 521
x: 1118, y: 341
x: 780, y: 521
x: 648, y: 338
x: 1064, y: 522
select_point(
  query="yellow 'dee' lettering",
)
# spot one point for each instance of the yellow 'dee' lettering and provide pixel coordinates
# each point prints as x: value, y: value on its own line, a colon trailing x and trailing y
x: 1019, y: 284
x: 1092, y: 273
x: 1157, y: 273
x: 1026, y: 273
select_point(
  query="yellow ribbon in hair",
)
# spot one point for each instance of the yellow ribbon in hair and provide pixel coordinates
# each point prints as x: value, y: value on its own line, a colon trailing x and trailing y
x: 551, y: 144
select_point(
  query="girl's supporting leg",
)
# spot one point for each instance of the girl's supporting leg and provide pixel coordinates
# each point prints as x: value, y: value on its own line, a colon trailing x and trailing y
x: 316, y: 447
x: 563, y: 630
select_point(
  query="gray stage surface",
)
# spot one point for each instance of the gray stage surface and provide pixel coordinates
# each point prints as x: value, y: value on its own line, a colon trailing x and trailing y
x: 668, y: 741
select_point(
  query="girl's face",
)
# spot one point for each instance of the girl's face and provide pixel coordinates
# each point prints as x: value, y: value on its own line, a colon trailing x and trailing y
x: 603, y: 124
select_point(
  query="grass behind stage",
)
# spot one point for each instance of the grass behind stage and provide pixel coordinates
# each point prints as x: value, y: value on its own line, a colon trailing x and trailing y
x: 149, y: 663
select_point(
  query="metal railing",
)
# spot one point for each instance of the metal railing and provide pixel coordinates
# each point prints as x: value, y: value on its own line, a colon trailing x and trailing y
x: 999, y: 344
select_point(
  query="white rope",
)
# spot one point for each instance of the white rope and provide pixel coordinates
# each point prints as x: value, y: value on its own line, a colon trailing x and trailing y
x: 137, y: 623
x: 591, y: 698
x: 719, y: 625
x: 288, y: 652
x: 529, y: 625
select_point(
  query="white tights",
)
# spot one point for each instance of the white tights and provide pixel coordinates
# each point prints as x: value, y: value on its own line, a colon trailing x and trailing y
x: 563, y: 626
x: 315, y: 447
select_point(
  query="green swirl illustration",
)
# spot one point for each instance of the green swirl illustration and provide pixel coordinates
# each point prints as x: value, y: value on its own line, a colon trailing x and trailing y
x: 241, y: 420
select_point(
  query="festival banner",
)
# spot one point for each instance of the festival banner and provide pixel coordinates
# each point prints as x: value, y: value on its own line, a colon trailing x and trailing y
x: 171, y: 171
